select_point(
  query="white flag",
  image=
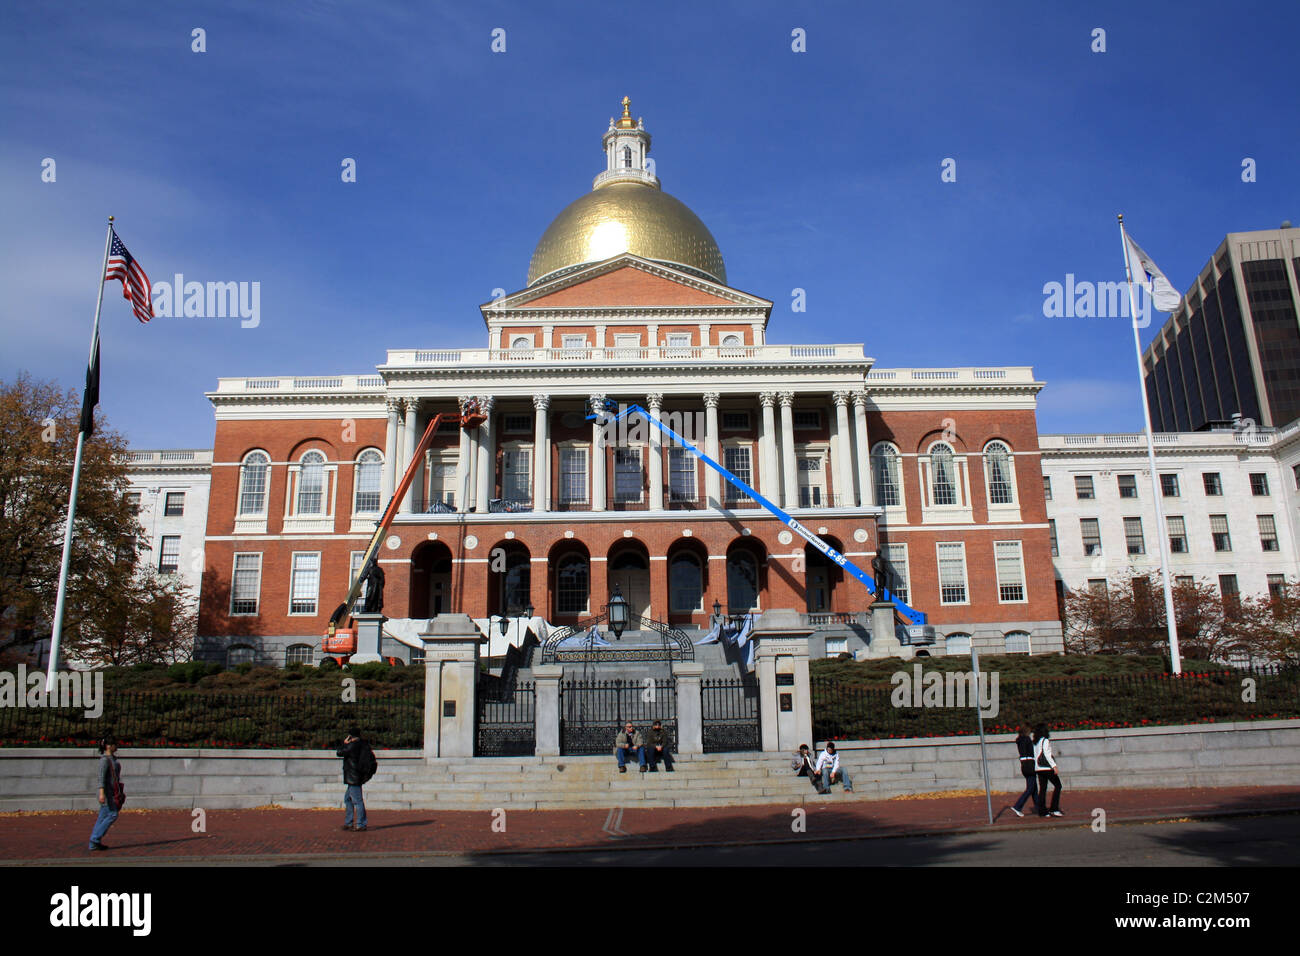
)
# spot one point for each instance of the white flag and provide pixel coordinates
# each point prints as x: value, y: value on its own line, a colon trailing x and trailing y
x: 1163, y: 295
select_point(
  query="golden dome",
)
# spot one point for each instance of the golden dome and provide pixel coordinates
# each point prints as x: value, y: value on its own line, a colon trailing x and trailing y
x: 630, y: 217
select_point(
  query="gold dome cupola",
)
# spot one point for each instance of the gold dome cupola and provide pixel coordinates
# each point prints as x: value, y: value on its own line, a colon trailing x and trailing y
x: 626, y: 211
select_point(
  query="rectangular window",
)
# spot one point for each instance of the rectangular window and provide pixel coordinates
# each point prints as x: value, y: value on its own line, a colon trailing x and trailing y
x: 1169, y: 486
x: 1219, y: 528
x: 133, y: 499
x: 952, y: 572
x: 1276, y: 586
x: 679, y: 344
x: 807, y: 420
x: 442, y: 482
x: 627, y: 474
x: 1047, y: 488
x: 1133, y: 536
x: 517, y: 424
x: 1051, y: 527
x: 1091, y: 536
x: 304, y: 584
x: 737, y: 461
x: 896, y: 555
x: 735, y: 421
x: 175, y: 506
x: 1083, y: 487
x: 246, y: 584
x: 1228, y: 588
x: 1213, y: 485
x: 354, y: 568
x: 170, y: 552
x: 681, y: 475
x: 812, y: 481
x: 517, y: 474
x: 1128, y: 487
x: 1011, y: 571
x: 627, y: 344
x: 835, y: 646
x: 1184, y: 581
x: 573, y: 475
x: 1267, y: 532
x: 1177, y: 534
x: 1259, y: 484
x: 1098, y: 586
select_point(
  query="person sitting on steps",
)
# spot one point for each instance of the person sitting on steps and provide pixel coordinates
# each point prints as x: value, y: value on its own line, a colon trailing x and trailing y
x: 802, y: 765
x: 828, y: 765
x: 656, y: 748
x: 627, y: 744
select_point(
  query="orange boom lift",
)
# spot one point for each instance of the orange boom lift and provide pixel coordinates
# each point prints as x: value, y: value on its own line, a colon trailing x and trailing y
x: 342, y: 640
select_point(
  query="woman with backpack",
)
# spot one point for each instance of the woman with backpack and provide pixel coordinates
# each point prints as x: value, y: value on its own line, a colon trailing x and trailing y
x: 359, y: 765
x: 111, y: 792
x: 1045, y: 764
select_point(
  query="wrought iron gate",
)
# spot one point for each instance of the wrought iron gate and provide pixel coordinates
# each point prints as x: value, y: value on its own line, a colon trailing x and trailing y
x: 592, y: 712
x: 505, y: 723
x: 730, y: 715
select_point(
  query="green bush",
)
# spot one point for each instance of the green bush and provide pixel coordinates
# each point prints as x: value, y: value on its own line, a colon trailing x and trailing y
x: 191, y: 672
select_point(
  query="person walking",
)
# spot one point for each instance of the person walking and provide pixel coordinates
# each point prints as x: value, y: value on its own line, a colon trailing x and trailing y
x: 1045, y: 764
x: 358, y: 767
x: 111, y: 792
x: 802, y: 765
x: 1025, y: 745
x: 828, y: 765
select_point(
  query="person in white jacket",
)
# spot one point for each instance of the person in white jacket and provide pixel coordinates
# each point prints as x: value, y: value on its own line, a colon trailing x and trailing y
x: 1045, y: 765
x: 828, y: 765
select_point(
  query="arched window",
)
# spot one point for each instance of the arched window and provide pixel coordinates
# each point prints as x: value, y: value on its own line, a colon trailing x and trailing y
x: 997, y: 472
x: 311, y: 484
x: 884, y: 466
x: 239, y: 654
x: 742, y: 582
x: 572, y: 585
x: 627, y: 157
x: 254, y: 475
x: 1017, y: 642
x: 732, y: 340
x: 370, y: 465
x: 685, y: 582
x: 297, y: 654
x: 943, y: 489
x: 958, y: 643
x: 522, y: 342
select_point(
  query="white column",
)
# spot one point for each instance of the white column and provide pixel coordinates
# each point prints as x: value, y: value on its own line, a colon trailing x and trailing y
x: 542, y: 453
x: 789, y: 471
x: 465, y: 465
x: 597, y: 405
x: 487, y: 458
x: 712, y: 480
x: 408, y: 449
x: 389, y: 481
x: 866, y: 496
x: 768, y: 471
x: 844, y: 458
x: 653, y: 403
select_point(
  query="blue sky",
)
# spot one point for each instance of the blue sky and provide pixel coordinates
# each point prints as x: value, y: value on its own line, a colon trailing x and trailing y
x: 816, y: 170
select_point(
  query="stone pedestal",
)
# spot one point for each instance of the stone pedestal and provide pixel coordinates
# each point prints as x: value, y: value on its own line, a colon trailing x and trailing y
x: 884, y: 639
x: 370, y: 635
x: 451, y: 654
x: 546, y: 710
x: 784, y: 691
x: 690, y: 709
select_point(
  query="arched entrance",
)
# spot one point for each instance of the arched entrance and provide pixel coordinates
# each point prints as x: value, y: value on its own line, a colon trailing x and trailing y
x: 746, y: 575
x: 570, y: 581
x: 509, y: 579
x: 629, y: 571
x: 821, y: 577
x: 430, y: 590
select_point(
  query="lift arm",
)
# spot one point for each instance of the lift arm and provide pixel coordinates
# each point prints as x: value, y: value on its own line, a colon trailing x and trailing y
x: 912, y: 616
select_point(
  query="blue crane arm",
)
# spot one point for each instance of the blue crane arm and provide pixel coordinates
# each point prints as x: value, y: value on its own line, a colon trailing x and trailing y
x: 912, y: 616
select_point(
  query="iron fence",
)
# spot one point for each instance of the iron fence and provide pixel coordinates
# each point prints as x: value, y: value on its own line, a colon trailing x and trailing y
x: 592, y: 712
x: 846, y: 711
x: 221, y: 720
x: 730, y: 715
x: 506, y: 725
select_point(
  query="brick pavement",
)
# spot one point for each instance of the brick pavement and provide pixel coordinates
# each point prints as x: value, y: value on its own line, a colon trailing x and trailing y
x: 164, y: 835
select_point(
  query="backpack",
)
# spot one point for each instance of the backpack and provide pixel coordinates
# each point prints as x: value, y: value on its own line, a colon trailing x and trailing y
x: 367, y: 763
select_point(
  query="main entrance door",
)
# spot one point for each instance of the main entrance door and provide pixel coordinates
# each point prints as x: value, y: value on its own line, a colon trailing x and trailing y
x: 630, y: 572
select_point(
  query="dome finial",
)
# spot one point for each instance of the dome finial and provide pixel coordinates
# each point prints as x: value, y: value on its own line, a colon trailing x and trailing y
x: 625, y: 121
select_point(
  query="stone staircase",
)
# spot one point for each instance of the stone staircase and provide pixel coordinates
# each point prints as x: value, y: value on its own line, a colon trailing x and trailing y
x: 575, y: 783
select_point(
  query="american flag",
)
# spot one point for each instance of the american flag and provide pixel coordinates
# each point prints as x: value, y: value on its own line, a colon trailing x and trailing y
x: 135, y: 284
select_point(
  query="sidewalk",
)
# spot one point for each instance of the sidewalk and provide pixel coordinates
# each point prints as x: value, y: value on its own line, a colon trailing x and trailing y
x: 164, y: 835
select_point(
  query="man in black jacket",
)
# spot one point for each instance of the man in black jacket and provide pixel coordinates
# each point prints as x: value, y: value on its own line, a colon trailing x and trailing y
x: 351, y: 751
x: 656, y: 748
x: 1026, y: 747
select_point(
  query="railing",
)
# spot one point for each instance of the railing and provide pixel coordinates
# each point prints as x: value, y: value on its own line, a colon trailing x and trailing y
x: 832, y: 619
x: 676, y: 646
x: 290, y: 383
x: 841, y: 710
x: 730, y: 715
x: 507, y: 726
x: 592, y: 712
x: 221, y: 720
x: 623, y: 354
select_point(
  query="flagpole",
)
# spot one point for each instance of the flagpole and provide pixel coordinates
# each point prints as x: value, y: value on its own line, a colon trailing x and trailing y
x: 1175, y: 658
x: 56, y: 635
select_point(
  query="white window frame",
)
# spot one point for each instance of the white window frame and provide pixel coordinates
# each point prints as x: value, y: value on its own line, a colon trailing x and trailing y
x: 356, y: 482
x: 819, y: 452
x: 1128, y: 536
x: 1006, y: 510
x: 567, y: 449
x: 248, y: 521
x: 1182, y: 533
x: 730, y: 493
x: 1263, y: 541
x: 1083, y: 539
x: 965, y: 571
x: 234, y: 578
x: 523, y: 451
x: 682, y: 454
x: 354, y: 568
x: 167, y: 500
x: 639, y: 452
x: 296, y: 521
x: 434, y: 460
x: 162, y: 553
x: 293, y: 583
x: 893, y: 549
x: 960, y: 510
x: 1029, y: 642
x: 896, y: 513
x: 1018, y: 553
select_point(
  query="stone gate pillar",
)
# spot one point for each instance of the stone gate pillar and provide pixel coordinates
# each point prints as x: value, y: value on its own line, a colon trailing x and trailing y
x: 451, y: 652
x: 690, y: 712
x: 546, y: 710
x: 784, y: 691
